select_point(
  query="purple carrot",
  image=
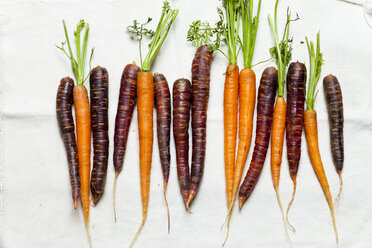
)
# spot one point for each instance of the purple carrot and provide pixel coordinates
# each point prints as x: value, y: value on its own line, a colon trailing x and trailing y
x: 296, y: 80
x: 265, y: 112
x: 127, y: 100
x: 67, y: 130
x: 181, y: 119
x: 99, y: 122
x: 200, y: 96
x: 163, y: 117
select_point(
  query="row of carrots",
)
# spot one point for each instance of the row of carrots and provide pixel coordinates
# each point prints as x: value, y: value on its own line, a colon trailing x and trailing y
x: 139, y: 86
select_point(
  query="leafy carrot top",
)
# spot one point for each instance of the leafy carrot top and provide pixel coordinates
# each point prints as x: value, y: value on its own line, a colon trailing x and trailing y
x: 316, y: 61
x: 282, y: 51
x: 79, y: 63
x: 157, y: 37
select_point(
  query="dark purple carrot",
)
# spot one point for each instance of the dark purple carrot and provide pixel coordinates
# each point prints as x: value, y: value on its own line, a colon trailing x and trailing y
x: 296, y: 79
x: 67, y: 130
x: 201, y: 65
x: 181, y: 119
x: 265, y: 111
x: 127, y: 100
x: 335, y: 108
x: 99, y: 123
x: 163, y: 117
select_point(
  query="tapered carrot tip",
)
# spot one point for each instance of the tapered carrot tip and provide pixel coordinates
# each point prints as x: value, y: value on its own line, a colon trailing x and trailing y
x: 114, y: 205
x: 241, y: 202
x: 76, y: 203
x: 191, y: 197
x: 339, y: 192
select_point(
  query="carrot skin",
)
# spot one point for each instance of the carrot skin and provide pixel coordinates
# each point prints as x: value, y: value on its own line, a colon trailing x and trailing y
x: 335, y: 108
x: 67, y: 130
x: 311, y: 131
x: 296, y: 78
x: 99, y: 120
x: 181, y: 119
x: 277, y: 138
x: 200, y: 96
x: 145, y: 107
x: 265, y: 111
x: 127, y: 101
x: 163, y: 117
x: 247, y: 97
x: 230, y: 109
x: 83, y: 130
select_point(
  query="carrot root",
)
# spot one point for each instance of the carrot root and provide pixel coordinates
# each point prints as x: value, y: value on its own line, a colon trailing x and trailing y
x: 90, y: 238
x: 341, y: 183
x: 138, y: 231
x: 114, y: 196
x: 166, y: 203
x: 290, y: 203
x: 281, y: 209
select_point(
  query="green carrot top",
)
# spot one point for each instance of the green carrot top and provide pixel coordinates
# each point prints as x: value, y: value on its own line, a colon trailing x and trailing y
x: 316, y: 61
x: 81, y: 51
x: 249, y: 27
x: 158, y: 36
x: 231, y: 30
x: 282, y: 51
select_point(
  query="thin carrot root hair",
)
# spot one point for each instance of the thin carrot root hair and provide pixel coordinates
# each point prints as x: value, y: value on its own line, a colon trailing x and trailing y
x: 90, y: 238
x: 228, y: 218
x: 290, y: 203
x: 138, y: 231
x: 114, y: 196
x: 339, y: 192
x: 166, y: 203
x: 281, y: 209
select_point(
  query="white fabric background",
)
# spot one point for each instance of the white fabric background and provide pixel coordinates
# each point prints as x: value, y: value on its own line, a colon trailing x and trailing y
x: 37, y: 209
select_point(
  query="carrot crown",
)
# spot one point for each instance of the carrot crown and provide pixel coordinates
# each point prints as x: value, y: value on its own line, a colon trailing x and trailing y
x: 316, y: 61
x: 78, y: 64
x: 158, y: 36
x: 249, y: 27
x: 231, y: 30
x: 282, y: 51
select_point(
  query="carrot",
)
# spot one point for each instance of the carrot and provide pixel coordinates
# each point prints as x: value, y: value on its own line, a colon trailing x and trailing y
x: 311, y: 128
x: 208, y: 40
x: 163, y: 117
x: 181, y: 120
x: 230, y: 99
x: 247, y: 95
x: 265, y: 109
x: 145, y: 96
x: 200, y: 96
x: 282, y: 54
x: 99, y: 119
x: 127, y: 101
x: 335, y: 108
x: 67, y: 130
x: 230, y: 109
x: 296, y: 78
x: 82, y: 111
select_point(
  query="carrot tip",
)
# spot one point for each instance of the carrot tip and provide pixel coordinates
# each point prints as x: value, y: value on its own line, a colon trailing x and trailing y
x: 290, y: 203
x: 115, y: 180
x: 166, y: 203
x: 138, y: 231
x: 341, y: 182
x: 241, y: 202
x: 76, y: 203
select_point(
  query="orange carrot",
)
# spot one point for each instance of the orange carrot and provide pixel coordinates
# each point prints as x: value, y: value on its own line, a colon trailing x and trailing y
x: 282, y: 54
x: 230, y: 109
x: 145, y: 106
x: 311, y: 131
x: 82, y: 111
x: 311, y: 128
x: 145, y: 100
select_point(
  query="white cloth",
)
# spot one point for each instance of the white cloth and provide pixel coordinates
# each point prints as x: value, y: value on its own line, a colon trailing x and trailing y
x: 37, y: 208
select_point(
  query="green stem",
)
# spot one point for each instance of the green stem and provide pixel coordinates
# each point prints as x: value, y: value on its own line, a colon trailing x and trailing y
x: 166, y: 20
x: 81, y: 51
